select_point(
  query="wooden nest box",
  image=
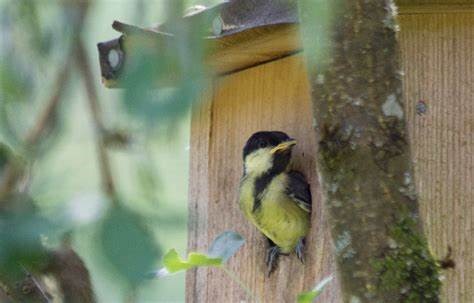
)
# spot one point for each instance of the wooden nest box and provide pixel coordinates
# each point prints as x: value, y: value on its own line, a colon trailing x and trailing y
x: 261, y: 84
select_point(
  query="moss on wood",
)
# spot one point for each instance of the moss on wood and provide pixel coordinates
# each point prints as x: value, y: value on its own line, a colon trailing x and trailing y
x: 407, y: 266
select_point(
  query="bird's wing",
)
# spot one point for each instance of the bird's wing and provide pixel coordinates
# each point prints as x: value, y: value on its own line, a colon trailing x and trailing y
x: 298, y: 190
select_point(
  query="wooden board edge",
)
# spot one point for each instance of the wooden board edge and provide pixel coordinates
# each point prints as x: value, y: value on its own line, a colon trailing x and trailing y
x: 198, y: 192
x: 421, y: 9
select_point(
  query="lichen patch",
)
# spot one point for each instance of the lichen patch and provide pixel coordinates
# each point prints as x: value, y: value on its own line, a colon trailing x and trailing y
x: 392, y: 108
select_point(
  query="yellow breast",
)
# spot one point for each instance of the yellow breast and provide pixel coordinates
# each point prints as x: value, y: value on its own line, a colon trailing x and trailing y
x: 279, y: 217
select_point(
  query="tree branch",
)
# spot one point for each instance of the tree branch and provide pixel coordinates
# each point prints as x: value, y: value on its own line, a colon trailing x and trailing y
x: 99, y: 129
x: 364, y: 158
x: 12, y: 173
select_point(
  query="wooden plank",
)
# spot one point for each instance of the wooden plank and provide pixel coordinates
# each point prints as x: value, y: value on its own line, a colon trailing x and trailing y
x: 432, y: 2
x: 196, y: 281
x: 411, y: 9
x: 272, y: 96
x: 253, y: 47
x: 439, y: 64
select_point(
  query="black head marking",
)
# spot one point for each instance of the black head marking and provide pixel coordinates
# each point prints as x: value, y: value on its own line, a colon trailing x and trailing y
x: 264, y: 139
x: 281, y: 160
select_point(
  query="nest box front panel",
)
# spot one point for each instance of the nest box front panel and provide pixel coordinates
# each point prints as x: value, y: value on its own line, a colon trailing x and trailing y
x: 272, y: 96
x: 436, y: 48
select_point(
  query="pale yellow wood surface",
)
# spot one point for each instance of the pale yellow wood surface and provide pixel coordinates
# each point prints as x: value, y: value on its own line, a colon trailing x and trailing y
x: 272, y: 96
x: 252, y: 47
x: 438, y: 56
x: 414, y: 9
x: 432, y: 2
x: 196, y: 281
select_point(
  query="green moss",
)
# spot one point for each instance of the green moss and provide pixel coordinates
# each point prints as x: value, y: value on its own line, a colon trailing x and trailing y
x: 408, y: 267
x: 334, y: 147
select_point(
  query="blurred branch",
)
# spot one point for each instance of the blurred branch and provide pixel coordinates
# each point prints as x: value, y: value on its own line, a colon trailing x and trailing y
x: 64, y: 264
x: 39, y: 287
x: 45, y: 117
x: 82, y: 61
x: 12, y: 173
x: 72, y: 275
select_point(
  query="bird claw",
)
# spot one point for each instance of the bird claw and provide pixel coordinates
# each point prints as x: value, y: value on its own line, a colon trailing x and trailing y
x: 300, y: 250
x: 271, y: 259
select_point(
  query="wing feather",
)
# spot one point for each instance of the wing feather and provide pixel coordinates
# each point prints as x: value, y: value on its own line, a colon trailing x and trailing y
x: 298, y: 190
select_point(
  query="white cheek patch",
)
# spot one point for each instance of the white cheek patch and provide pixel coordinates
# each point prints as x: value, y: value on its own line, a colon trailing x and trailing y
x: 258, y: 161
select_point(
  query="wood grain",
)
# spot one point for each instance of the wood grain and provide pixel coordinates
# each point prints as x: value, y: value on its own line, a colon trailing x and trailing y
x: 437, y: 52
x: 432, y: 2
x: 439, y: 65
x: 413, y: 9
x: 196, y: 281
x: 245, y: 102
x: 252, y: 47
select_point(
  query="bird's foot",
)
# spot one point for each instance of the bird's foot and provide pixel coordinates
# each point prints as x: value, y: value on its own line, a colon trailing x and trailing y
x: 271, y: 260
x: 300, y: 250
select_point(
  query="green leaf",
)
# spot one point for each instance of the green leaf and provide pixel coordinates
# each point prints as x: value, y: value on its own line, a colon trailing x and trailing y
x: 174, y: 263
x: 128, y: 244
x: 226, y: 245
x: 222, y: 248
x: 21, y: 229
x: 309, y: 296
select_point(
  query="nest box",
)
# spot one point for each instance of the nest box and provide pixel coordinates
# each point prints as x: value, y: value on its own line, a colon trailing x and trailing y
x: 260, y: 83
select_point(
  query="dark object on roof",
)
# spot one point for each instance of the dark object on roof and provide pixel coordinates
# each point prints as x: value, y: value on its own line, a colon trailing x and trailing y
x: 232, y: 37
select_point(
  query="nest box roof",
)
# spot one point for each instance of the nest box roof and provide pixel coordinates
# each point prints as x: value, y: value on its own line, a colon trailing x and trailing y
x: 239, y: 34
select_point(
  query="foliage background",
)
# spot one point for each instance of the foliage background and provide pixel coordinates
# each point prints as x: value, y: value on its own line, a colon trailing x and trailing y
x: 150, y: 172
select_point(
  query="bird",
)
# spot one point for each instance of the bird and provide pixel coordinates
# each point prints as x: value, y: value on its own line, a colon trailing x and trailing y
x: 274, y: 198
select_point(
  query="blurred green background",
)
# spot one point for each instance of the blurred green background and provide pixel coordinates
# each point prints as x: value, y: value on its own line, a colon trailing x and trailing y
x: 150, y: 172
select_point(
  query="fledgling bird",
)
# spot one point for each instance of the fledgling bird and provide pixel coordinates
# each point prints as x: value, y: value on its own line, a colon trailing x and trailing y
x: 274, y: 198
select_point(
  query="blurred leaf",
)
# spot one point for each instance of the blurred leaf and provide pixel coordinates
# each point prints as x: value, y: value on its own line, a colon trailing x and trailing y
x: 165, y: 103
x: 309, y: 296
x: 117, y: 138
x: 226, y: 245
x: 5, y: 155
x: 7, y: 130
x: 17, y: 163
x: 127, y: 244
x: 146, y: 178
x: 28, y: 14
x: 21, y: 229
x: 316, y: 20
x: 16, y: 84
x: 165, y: 76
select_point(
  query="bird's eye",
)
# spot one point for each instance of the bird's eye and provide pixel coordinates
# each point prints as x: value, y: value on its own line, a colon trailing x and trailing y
x: 262, y: 144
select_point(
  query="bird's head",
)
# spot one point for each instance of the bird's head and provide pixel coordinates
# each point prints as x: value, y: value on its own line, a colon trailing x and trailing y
x: 267, y: 152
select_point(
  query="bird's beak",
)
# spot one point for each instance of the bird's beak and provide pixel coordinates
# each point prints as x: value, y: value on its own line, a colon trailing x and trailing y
x: 283, y: 146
